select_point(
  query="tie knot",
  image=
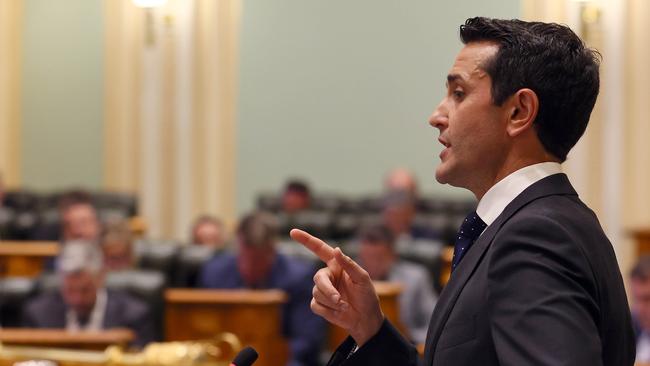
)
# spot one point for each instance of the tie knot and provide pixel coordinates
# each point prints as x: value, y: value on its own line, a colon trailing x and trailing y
x: 472, y: 226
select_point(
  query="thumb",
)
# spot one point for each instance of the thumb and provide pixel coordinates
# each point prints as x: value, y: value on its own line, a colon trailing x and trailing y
x: 357, y: 274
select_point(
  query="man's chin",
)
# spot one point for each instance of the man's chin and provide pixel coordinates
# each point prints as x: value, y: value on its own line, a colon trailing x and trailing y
x: 441, y: 177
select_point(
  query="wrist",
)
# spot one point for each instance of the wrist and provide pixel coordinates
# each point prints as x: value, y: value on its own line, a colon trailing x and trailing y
x: 365, y: 332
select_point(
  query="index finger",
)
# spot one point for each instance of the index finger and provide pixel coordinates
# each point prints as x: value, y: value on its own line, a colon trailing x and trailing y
x: 315, y: 245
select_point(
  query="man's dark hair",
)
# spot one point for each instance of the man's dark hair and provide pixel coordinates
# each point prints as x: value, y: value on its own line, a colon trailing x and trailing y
x: 376, y: 234
x: 299, y: 186
x: 549, y: 59
x: 73, y: 198
x: 257, y: 229
x: 641, y: 270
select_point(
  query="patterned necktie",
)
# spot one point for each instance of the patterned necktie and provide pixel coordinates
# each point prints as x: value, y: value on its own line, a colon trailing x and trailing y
x: 469, y: 231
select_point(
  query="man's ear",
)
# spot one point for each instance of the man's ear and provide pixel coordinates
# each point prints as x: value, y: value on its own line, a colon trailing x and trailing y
x: 524, y: 106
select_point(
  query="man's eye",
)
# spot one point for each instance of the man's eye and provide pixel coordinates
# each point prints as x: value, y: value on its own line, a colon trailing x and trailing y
x: 458, y: 94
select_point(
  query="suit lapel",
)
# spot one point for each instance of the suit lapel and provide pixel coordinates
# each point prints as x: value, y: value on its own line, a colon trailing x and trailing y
x: 112, y: 312
x: 556, y: 184
x: 58, y: 312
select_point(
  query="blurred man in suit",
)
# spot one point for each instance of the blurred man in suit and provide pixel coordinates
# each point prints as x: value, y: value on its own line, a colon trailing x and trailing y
x: 2, y: 190
x: 78, y: 220
x: 640, y: 293
x: 296, y: 197
x: 209, y: 231
x: 398, y: 215
x: 83, y: 303
x: 534, y: 279
x: 416, y: 302
x: 258, y: 265
x: 116, y: 242
x: 401, y: 179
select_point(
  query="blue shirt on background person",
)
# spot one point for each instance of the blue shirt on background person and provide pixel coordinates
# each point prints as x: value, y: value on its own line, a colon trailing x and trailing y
x: 257, y: 265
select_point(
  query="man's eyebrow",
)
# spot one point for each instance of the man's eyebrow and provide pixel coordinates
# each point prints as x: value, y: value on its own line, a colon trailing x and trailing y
x: 453, y: 77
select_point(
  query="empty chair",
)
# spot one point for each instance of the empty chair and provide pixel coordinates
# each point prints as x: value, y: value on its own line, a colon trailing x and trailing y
x: 190, y: 261
x: 7, y: 216
x: 116, y: 201
x: 350, y: 205
x: 427, y: 253
x: 314, y: 222
x: 23, y: 224
x: 14, y: 293
x: 21, y: 200
x: 269, y: 201
x: 344, y: 225
x: 148, y: 286
x: 292, y: 249
x: 328, y: 202
x: 157, y: 255
x: 372, y: 204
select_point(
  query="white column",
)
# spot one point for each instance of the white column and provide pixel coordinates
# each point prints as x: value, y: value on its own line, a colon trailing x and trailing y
x: 183, y: 123
x: 151, y: 137
x: 614, y: 117
x: 212, y: 121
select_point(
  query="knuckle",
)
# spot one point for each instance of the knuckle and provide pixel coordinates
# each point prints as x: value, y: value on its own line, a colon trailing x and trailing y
x: 319, y: 274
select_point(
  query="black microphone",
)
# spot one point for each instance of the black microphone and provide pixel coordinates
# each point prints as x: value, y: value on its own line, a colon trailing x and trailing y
x: 245, y: 357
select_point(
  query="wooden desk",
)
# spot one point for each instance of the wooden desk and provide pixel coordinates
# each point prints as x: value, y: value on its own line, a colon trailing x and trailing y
x: 642, y: 239
x: 388, y: 299
x: 253, y: 316
x: 60, y: 338
x: 445, y: 269
x: 27, y: 258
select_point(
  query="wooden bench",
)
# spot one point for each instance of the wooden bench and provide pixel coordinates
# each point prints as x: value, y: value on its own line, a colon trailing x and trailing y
x: 25, y: 259
x: 254, y: 316
x: 61, y: 338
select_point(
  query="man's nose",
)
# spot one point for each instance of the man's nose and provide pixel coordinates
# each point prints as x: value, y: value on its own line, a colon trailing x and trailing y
x: 439, y: 116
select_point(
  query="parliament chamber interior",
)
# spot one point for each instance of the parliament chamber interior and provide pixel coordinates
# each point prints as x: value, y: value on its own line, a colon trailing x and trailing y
x: 156, y: 154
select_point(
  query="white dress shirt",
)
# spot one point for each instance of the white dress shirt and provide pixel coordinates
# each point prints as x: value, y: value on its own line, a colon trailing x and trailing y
x: 96, y: 320
x: 507, y: 189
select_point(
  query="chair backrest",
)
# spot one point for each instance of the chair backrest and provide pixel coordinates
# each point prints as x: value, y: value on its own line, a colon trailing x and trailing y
x: 428, y: 253
x: 157, y: 255
x: 292, y: 249
x: 14, y: 294
x: 147, y: 286
x: 191, y: 259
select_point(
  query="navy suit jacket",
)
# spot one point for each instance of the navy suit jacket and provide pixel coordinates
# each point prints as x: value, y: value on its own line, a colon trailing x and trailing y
x: 304, y: 329
x: 122, y: 311
x: 541, y: 286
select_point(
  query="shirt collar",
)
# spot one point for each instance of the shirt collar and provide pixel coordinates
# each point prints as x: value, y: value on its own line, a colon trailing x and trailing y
x: 507, y: 189
x: 96, y: 320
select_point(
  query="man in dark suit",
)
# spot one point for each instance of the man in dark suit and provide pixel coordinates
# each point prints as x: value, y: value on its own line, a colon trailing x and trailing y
x: 535, y: 280
x: 640, y: 294
x: 83, y: 303
x: 258, y: 265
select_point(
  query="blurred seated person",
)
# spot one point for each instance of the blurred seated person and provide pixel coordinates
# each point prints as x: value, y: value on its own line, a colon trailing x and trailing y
x: 78, y: 220
x: 296, y: 197
x: 401, y: 179
x: 416, y: 302
x: 4, y: 214
x: 398, y: 215
x: 209, y: 231
x: 2, y: 190
x: 640, y: 295
x: 116, y: 243
x: 83, y: 303
x: 257, y: 265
